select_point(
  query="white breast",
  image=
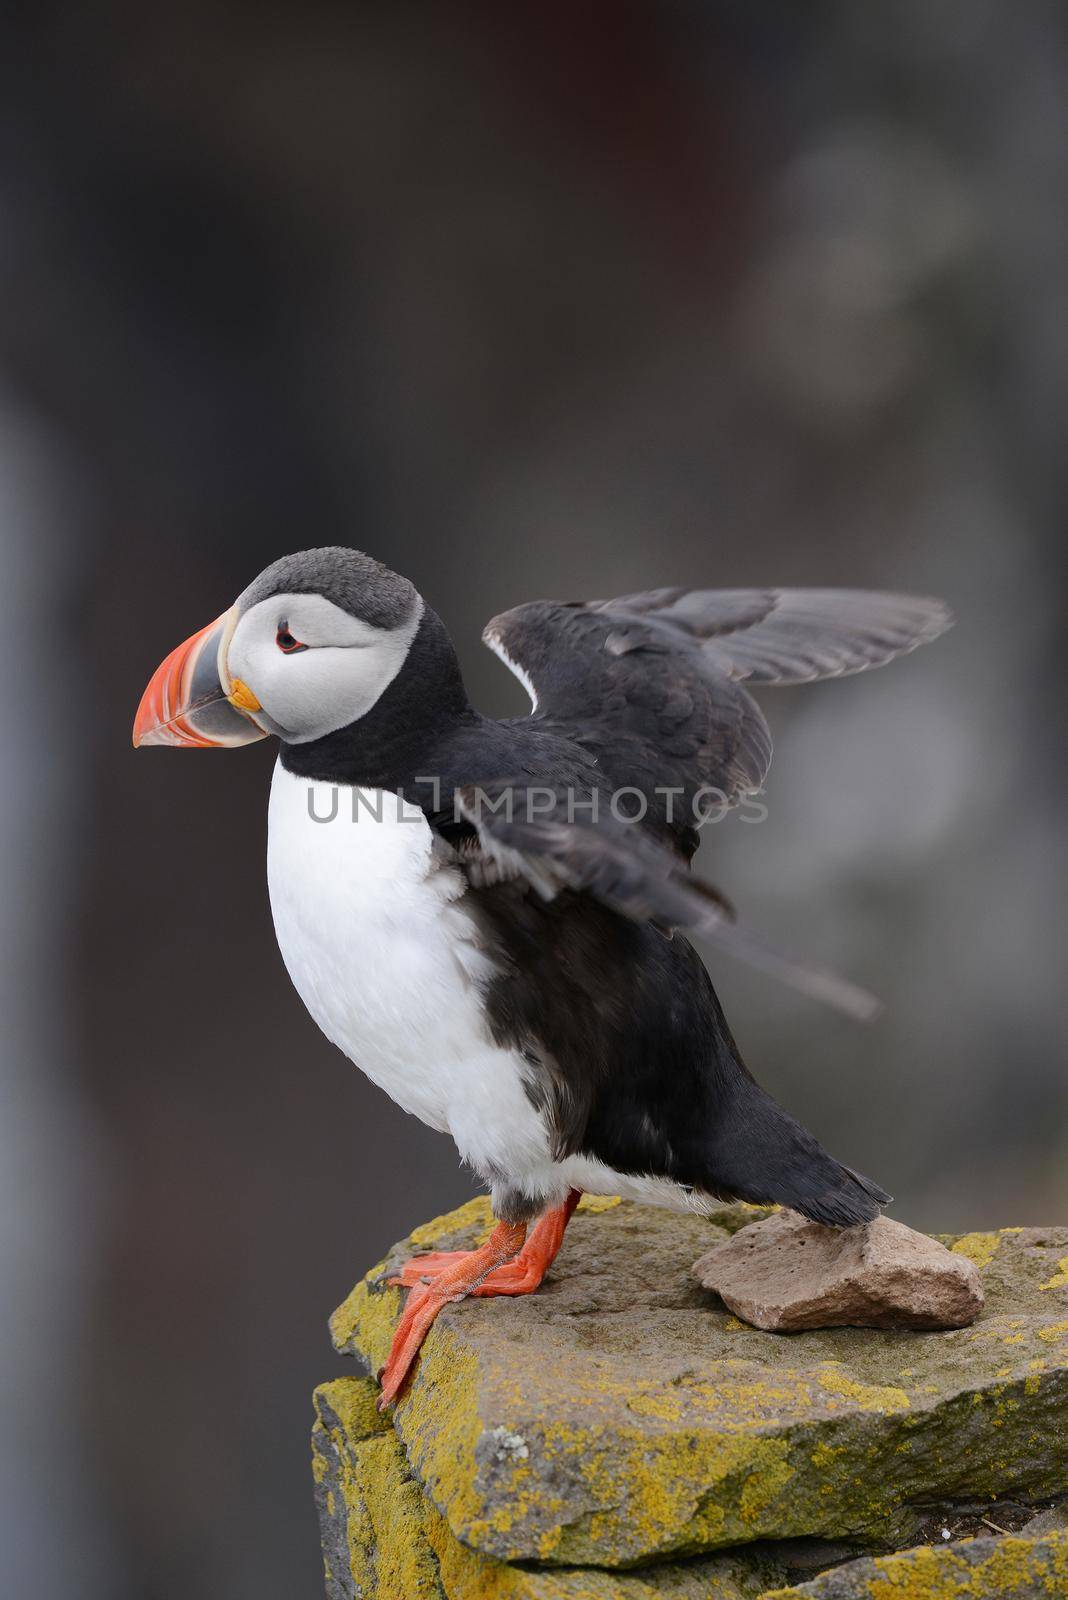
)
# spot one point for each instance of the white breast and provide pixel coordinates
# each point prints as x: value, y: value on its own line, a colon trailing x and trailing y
x: 367, y: 909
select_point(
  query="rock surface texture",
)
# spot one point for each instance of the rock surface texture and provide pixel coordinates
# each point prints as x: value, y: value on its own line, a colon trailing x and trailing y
x: 621, y: 1434
x: 785, y: 1274
x: 976, y: 1569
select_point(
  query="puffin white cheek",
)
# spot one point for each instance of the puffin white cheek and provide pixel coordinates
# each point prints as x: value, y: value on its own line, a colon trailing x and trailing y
x: 317, y: 691
x: 305, y: 690
x: 305, y: 694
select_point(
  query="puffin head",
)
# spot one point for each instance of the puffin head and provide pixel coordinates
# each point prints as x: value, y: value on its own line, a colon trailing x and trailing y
x: 309, y: 647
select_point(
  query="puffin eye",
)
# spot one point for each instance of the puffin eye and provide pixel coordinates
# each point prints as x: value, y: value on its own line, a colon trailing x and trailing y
x: 286, y: 642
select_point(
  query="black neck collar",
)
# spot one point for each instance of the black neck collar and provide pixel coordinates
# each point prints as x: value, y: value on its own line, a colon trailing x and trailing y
x: 399, y: 738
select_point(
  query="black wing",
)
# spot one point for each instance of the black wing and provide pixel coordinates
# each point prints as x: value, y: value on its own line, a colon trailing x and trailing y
x: 650, y: 684
x: 553, y: 843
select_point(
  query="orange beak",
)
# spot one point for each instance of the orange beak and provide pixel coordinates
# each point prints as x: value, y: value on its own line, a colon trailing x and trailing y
x: 186, y: 703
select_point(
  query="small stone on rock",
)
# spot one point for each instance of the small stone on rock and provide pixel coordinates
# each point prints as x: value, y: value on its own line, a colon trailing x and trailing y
x: 787, y: 1273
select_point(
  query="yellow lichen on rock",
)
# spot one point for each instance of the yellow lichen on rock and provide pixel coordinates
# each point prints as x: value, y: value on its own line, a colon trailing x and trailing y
x: 444, y: 1439
x: 476, y: 1215
x: 865, y: 1396
x: 373, y: 1308
x: 591, y: 1205
x: 1012, y: 1568
x: 1059, y: 1279
x: 370, y: 1510
x: 978, y: 1247
x: 354, y: 1402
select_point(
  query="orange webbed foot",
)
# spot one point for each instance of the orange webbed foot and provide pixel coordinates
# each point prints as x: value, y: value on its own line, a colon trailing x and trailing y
x: 426, y: 1300
x: 504, y: 1265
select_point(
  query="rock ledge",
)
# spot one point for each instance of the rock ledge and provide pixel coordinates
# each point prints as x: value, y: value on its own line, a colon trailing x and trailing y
x: 622, y: 1418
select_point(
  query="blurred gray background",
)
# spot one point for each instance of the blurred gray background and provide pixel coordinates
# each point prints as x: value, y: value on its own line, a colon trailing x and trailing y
x: 541, y: 300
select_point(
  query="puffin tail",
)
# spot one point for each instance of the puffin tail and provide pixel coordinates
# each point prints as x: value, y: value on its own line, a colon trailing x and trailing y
x: 759, y: 1153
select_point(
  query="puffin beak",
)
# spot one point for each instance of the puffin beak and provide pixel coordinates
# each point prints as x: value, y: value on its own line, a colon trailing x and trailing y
x: 191, y: 699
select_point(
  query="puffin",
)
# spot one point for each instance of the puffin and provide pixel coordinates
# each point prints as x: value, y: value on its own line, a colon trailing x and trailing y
x: 492, y: 917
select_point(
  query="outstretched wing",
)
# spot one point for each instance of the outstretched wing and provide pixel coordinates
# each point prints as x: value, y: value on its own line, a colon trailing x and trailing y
x: 789, y: 635
x: 550, y: 840
x: 651, y: 684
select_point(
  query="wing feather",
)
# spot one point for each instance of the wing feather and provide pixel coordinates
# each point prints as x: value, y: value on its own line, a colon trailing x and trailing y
x: 623, y: 867
x: 653, y: 684
x: 781, y: 636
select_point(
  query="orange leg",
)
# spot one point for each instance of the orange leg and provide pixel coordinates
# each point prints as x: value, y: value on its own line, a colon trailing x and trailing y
x: 525, y: 1273
x: 518, y: 1276
x: 504, y: 1265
